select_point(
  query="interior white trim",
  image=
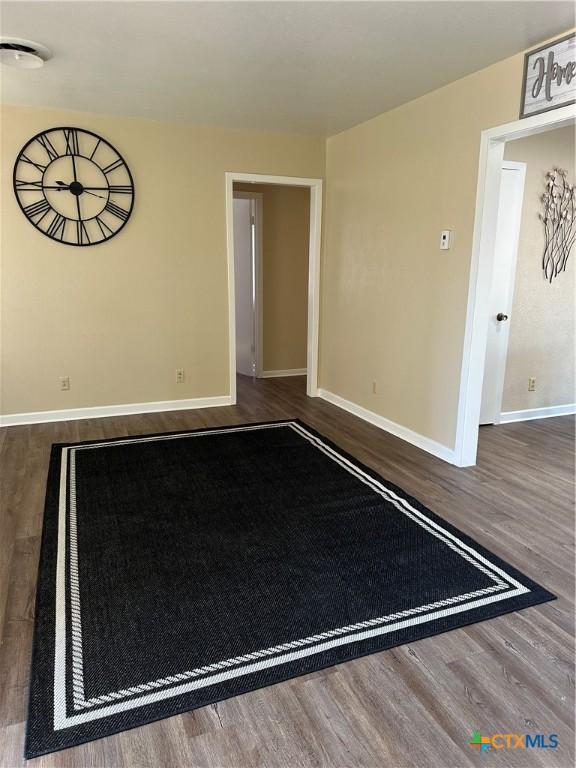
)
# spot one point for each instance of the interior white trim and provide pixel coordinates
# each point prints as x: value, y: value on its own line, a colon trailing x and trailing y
x: 492, y: 143
x: 102, y: 411
x: 315, y: 186
x: 287, y: 372
x: 538, y: 413
x: 415, y: 438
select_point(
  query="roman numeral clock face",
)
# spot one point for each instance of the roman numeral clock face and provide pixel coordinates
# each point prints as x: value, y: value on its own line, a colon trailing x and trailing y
x: 73, y: 186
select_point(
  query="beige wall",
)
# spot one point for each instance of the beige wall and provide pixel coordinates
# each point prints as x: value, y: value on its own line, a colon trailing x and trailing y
x: 541, y: 343
x: 285, y: 239
x: 120, y: 317
x: 393, y: 304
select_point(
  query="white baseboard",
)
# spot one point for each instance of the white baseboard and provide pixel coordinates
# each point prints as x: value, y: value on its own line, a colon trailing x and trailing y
x: 288, y: 372
x: 538, y: 413
x: 102, y: 411
x: 415, y: 438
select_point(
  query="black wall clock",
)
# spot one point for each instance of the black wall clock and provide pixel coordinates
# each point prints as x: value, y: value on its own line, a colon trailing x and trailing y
x: 73, y: 186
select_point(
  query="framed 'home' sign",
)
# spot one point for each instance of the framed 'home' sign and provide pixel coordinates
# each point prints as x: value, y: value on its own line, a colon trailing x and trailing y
x: 549, y: 77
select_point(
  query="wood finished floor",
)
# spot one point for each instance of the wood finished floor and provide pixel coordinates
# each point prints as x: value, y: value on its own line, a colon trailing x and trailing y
x: 413, y: 706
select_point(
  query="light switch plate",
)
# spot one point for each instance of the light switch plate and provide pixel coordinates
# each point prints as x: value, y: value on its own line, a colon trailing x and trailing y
x: 445, y: 239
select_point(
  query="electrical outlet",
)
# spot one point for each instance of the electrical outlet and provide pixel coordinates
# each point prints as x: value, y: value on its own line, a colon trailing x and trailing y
x: 64, y: 383
x: 531, y: 384
x: 179, y: 375
x: 374, y: 387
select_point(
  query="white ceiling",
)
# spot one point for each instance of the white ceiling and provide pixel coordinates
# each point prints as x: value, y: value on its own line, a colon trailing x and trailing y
x: 297, y: 67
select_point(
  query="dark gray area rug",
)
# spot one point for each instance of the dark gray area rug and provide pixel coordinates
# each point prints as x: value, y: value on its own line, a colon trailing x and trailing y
x: 181, y: 569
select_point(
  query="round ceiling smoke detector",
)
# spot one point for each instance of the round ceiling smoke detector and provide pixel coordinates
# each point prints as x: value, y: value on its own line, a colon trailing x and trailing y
x: 22, y: 54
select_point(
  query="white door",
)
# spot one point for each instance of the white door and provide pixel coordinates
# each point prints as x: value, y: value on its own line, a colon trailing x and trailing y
x: 244, y: 286
x: 500, y: 307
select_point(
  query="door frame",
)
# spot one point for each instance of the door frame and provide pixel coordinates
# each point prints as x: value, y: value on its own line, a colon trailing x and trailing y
x: 257, y: 197
x: 511, y: 165
x: 315, y: 187
x: 492, y: 143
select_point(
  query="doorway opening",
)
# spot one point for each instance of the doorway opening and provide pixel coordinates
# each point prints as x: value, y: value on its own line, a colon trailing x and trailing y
x: 274, y: 289
x: 484, y: 251
x: 529, y: 370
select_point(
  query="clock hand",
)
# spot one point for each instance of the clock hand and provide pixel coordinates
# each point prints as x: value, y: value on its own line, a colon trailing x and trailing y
x: 62, y: 185
x: 94, y: 194
x: 74, y: 167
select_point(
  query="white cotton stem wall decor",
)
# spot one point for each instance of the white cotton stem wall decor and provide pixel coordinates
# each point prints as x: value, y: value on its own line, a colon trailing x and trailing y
x: 559, y: 203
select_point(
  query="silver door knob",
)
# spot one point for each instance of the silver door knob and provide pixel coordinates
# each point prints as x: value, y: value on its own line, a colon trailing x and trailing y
x: 501, y: 316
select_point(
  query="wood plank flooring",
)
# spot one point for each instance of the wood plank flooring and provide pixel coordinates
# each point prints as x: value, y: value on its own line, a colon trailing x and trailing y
x: 413, y: 706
